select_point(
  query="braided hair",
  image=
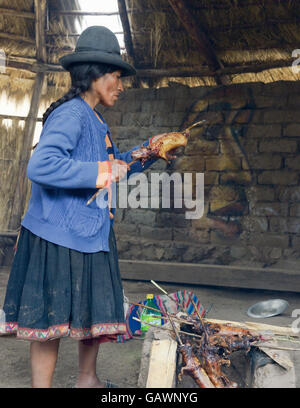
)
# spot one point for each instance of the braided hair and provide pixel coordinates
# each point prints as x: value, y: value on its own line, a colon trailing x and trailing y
x: 82, y: 76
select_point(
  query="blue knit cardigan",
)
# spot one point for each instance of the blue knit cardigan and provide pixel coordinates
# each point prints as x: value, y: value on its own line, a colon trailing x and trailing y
x: 63, y: 169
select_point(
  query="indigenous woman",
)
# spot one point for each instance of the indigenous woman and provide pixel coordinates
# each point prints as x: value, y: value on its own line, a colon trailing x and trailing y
x: 65, y: 278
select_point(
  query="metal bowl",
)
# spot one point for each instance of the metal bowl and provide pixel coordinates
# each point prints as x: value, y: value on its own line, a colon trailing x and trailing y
x: 268, y: 308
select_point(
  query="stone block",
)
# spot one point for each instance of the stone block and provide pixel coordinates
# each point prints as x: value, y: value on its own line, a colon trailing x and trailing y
x: 259, y: 193
x: 195, y: 236
x: 268, y: 209
x: 154, y: 233
x: 293, y: 101
x: 201, y: 146
x: 137, y: 119
x: 242, y: 178
x: 264, y: 131
x: 269, y: 240
x: 113, y: 118
x: 129, y: 133
x: 281, y: 116
x: 278, y: 146
x: 288, y: 194
x: 283, y: 177
x: 251, y: 146
x: 140, y: 216
x: 211, y: 178
x: 292, y: 130
x: 263, y: 101
x: 295, y: 210
x: 255, y: 224
x: 222, y: 162
x: 293, y: 162
x: 164, y: 106
x: 280, y: 88
x: 278, y: 224
x: 173, y: 120
x: 130, y: 105
x: 170, y: 93
x: 263, y: 161
x: 181, y: 105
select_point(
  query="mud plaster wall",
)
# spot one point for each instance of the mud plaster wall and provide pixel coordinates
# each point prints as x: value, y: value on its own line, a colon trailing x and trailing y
x: 250, y: 158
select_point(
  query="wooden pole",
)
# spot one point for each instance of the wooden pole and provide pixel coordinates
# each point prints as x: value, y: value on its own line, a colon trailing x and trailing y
x: 195, y: 31
x: 30, y: 124
x: 22, y: 182
x: 76, y: 13
x: 33, y: 66
x: 128, y: 37
x: 40, y: 7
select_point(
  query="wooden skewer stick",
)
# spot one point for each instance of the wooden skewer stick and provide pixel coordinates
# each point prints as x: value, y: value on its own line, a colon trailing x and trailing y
x: 175, y: 330
x: 166, y: 293
x: 158, y: 310
x: 201, y: 122
x: 101, y: 189
x: 262, y: 345
x: 167, y: 328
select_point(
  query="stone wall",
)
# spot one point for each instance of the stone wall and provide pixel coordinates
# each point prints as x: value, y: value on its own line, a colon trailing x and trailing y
x: 250, y: 158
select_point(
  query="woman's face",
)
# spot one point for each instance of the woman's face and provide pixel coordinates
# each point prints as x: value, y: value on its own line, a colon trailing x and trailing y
x: 108, y: 88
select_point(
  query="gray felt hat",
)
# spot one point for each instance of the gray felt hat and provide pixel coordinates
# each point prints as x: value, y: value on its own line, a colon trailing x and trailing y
x: 98, y: 44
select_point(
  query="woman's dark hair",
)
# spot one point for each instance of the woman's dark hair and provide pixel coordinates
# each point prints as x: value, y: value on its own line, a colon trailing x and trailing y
x: 82, y: 76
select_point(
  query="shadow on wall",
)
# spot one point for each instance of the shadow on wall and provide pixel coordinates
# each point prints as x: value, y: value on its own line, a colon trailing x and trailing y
x: 218, y: 151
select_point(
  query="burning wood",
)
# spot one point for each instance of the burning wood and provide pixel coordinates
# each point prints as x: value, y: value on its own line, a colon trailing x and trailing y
x: 205, y: 346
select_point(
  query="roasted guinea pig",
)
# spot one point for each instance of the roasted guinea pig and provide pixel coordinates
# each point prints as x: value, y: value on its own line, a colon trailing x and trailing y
x: 165, y: 146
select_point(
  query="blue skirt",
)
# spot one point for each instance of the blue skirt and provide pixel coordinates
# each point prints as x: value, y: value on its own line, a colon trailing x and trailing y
x: 56, y: 292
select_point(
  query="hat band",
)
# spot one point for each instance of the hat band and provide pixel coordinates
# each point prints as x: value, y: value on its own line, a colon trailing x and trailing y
x: 80, y: 49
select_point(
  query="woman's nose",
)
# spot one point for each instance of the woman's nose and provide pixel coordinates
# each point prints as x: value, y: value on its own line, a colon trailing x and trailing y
x: 120, y: 87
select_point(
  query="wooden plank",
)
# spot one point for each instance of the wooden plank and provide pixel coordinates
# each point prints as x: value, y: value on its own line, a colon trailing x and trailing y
x: 21, y: 190
x: 162, y: 365
x: 281, y: 357
x: 40, y: 7
x: 260, y: 327
x: 216, y: 275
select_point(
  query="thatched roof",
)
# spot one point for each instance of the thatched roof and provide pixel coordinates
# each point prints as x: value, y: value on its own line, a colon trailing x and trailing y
x: 250, y: 40
x: 241, y: 33
x: 18, y: 41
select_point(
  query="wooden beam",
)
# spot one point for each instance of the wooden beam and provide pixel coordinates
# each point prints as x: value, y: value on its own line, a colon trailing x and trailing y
x: 13, y: 117
x: 76, y: 13
x: 126, y: 28
x: 212, y: 275
x: 205, y: 71
x: 22, y: 181
x: 195, y: 31
x: 34, y: 66
x: 17, y: 13
x: 75, y: 34
x: 127, y: 37
x: 40, y: 7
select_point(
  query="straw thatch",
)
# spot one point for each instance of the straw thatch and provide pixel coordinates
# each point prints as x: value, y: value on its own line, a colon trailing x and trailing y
x: 17, y: 83
x: 241, y: 32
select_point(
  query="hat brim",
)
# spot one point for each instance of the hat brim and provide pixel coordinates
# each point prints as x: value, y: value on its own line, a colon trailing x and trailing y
x: 101, y: 57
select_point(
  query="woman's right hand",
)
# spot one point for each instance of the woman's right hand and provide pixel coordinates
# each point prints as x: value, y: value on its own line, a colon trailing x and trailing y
x: 110, y: 171
x: 119, y: 169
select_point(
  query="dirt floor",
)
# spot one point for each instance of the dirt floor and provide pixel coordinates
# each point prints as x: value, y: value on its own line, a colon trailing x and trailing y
x: 121, y: 362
